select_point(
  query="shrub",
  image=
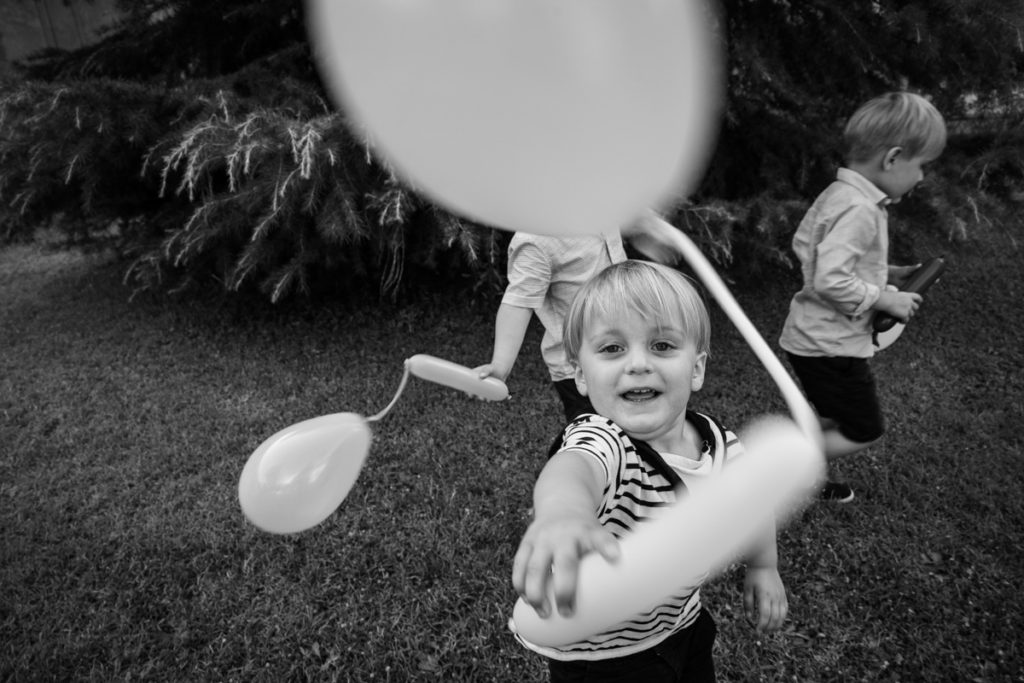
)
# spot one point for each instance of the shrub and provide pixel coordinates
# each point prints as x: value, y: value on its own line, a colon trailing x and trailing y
x: 194, y: 187
x: 220, y: 161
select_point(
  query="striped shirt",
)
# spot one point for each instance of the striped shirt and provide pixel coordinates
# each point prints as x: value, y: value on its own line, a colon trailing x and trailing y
x: 639, y: 481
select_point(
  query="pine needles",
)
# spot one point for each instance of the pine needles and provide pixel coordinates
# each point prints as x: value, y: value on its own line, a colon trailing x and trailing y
x: 217, y: 187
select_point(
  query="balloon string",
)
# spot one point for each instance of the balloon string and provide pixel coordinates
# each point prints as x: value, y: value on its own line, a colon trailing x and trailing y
x: 802, y: 413
x: 401, y: 387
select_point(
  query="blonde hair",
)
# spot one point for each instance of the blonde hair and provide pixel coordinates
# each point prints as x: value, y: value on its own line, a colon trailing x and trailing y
x: 895, y: 119
x: 654, y: 291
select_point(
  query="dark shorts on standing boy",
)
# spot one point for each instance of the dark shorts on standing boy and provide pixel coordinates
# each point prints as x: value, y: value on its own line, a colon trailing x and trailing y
x: 842, y: 389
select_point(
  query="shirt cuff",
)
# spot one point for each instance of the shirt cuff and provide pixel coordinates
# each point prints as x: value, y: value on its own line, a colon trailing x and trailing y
x: 871, y: 294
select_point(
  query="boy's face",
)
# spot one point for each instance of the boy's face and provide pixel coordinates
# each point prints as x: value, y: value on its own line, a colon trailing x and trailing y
x: 638, y: 374
x: 900, y: 173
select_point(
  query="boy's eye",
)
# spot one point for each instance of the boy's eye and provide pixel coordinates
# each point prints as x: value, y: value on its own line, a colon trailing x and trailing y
x: 663, y: 346
x: 610, y: 348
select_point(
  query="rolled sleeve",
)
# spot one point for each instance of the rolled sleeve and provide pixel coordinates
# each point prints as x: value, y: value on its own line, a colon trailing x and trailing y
x: 529, y: 276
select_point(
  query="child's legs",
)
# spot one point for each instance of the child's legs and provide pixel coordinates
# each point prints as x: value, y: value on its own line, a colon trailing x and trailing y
x: 684, y: 657
x: 574, y: 403
x: 843, y: 392
x: 836, y: 443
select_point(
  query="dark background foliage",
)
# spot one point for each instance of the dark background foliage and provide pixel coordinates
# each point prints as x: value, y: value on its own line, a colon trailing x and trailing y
x: 197, y: 139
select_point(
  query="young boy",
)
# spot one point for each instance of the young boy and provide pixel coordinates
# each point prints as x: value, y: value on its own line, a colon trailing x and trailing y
x: 544, y: 274
x: 637, y: 336
x: 843, y: 245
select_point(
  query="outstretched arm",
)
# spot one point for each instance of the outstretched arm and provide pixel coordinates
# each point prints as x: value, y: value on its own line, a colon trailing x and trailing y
x: 565, y: 528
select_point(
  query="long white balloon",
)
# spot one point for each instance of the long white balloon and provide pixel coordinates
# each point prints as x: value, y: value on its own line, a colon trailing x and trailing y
x: 709, y: 528
x: 456, y: 376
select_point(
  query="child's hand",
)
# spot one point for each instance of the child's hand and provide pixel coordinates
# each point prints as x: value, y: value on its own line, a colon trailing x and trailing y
x: 489, y: 370
x: 900, y: 305
x: 551, y: 550
x: 764, y: 598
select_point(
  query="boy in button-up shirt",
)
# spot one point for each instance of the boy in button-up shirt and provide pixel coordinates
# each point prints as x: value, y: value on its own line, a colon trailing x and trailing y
x: 843, y: 247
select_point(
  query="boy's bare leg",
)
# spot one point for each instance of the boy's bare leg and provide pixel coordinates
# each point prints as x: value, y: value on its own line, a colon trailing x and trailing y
x: 837, y: 445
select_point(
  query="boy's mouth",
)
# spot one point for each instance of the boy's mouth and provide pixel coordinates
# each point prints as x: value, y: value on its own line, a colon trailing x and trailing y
x: 640, y: 395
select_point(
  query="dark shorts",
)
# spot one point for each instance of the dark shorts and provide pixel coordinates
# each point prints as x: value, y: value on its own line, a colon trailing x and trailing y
x: 842, y: 389
x: 573, y: 401
x: 683, y: 657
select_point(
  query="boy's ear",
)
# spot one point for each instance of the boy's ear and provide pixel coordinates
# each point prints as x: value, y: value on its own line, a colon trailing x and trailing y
x: 697, y: 381
x: 581, y: 382
x: 890, y: 156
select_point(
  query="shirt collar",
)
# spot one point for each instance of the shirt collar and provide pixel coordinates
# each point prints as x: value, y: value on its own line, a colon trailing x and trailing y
x: 868, y: 188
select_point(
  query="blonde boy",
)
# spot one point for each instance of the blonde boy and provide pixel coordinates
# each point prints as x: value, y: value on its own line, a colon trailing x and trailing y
x: 843, y: 247
x: 638, y: 337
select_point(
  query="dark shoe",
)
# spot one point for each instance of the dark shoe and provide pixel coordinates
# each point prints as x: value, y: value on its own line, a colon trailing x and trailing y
x: 836, y: 492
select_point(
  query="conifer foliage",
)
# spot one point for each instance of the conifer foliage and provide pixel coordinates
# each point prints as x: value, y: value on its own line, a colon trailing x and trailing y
x: 197, y: 139
x: 798, y: 68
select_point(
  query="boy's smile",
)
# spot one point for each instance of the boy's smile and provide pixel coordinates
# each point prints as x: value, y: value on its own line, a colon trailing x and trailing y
x: 640, y: 374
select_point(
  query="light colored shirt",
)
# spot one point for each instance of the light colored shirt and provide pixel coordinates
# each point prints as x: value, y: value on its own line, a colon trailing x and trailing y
x: 544, y: 274
x: 636, y: 491
x: 843, y: 247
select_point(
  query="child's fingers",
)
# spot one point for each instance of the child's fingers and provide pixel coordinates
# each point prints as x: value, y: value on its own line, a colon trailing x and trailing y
x: 533, y: 566
x: 564, y: 571
x: 766, y: 610
x: 531, y: 569
x: 773, y: 615
x: 519, y: 567
x: 566, y: 566
x: 605, y: 544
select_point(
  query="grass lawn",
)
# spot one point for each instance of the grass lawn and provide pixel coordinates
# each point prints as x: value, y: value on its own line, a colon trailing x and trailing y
x: 124, y: 426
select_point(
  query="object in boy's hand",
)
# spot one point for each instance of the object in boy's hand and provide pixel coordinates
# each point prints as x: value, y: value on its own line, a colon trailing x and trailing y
x: 553, y: 118
x: 887, y: 329
x: 296, y: 478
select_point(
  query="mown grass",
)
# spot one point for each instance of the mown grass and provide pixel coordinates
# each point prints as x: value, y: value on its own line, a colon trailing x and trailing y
x: 124, y: 426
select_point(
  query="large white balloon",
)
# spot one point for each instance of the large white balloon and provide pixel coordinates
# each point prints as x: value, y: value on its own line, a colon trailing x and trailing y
x: 704, y: 532
x: 552, y: 117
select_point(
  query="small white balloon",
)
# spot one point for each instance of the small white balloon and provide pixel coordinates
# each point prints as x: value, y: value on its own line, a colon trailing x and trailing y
x: 704, y: 532
x: 554, y: 118
x: 301, y: 474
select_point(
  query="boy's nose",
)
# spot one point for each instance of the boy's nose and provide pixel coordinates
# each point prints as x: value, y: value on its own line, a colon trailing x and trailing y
x: 637, y: 362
